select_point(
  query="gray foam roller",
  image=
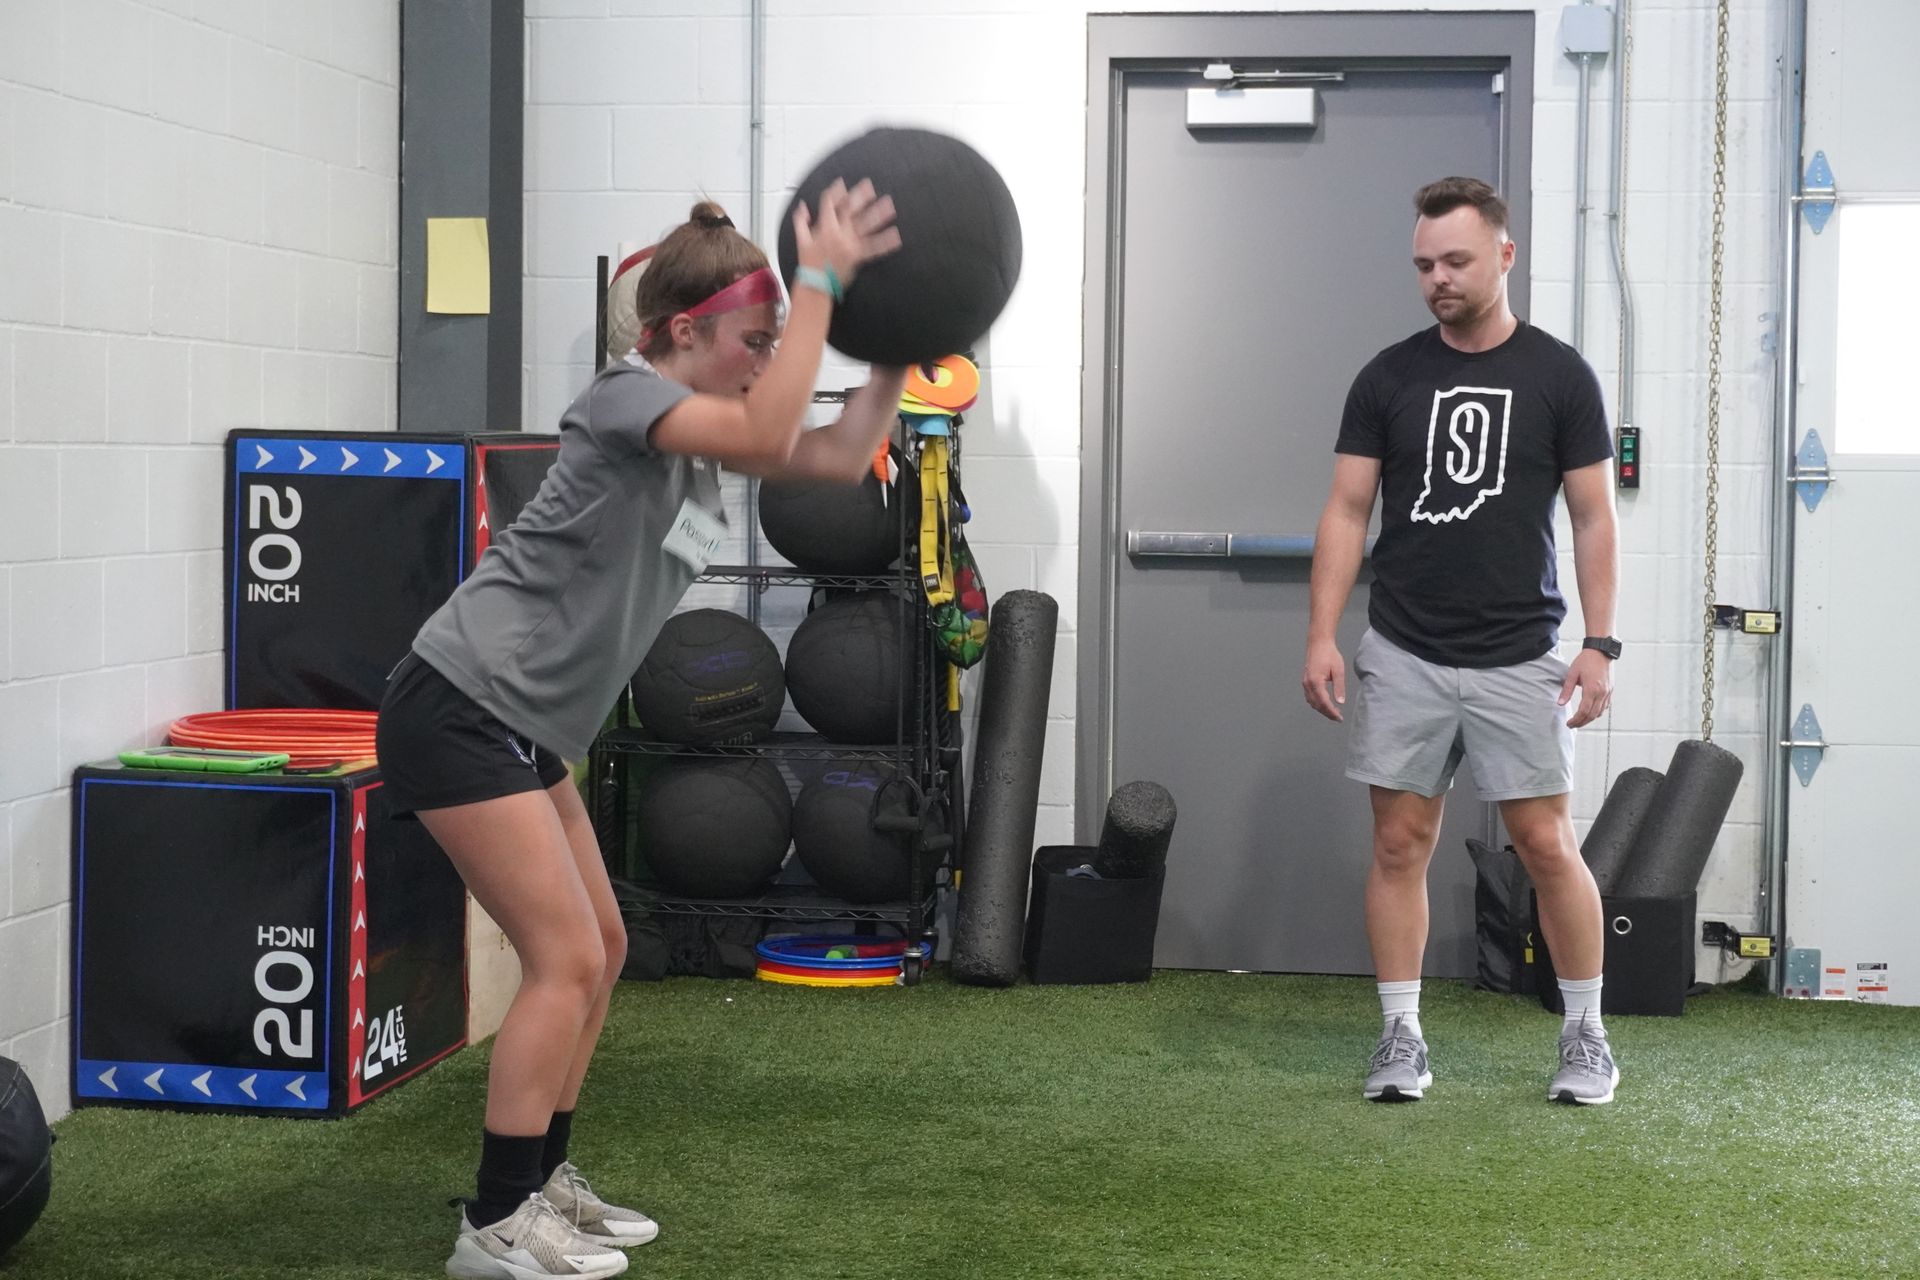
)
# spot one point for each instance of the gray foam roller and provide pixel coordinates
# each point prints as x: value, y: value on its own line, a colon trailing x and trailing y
x: 1138, y: 828
x: 1621, y: 815
x: 1676, y: 837
x: 1003, y: 802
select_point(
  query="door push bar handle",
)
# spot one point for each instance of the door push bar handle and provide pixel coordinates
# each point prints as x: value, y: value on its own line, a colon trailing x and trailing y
x: 1224, y: 546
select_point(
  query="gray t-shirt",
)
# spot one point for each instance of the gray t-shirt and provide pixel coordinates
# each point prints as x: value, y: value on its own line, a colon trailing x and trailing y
x: 566, y: 602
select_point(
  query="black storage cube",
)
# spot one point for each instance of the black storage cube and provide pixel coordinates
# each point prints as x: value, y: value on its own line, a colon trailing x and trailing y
x: 1083, y: 930
x: 1648, y: 964
x: 257, y: 942
x: 340, y: 544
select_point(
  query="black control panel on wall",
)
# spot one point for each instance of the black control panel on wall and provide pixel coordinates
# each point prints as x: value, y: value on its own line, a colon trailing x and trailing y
x: 1626, y: 457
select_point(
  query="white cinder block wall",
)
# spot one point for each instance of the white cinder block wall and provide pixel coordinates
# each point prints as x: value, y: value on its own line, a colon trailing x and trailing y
x: 197, y: 223
x: 634, y: 105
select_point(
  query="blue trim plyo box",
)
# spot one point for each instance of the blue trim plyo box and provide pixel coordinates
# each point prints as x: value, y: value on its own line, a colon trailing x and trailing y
x: 340, y: 544
x: 260, y: 943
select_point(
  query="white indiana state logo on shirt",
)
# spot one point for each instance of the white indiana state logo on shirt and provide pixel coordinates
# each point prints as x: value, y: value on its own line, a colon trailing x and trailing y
x: 1466, y: 452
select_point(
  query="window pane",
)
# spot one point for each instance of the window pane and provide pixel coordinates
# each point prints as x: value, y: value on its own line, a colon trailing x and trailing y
x: 1874, y: 406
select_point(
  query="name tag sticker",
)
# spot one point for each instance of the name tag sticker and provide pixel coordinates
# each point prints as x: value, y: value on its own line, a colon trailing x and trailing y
x: 696, y: 536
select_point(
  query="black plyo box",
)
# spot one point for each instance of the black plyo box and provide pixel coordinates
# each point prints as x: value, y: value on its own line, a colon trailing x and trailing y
x: 1648, y: 965
x: 257, y: 942
x: 340, y: 544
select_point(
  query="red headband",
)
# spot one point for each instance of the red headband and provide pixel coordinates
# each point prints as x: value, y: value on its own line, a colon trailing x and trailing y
x: 749, y: 290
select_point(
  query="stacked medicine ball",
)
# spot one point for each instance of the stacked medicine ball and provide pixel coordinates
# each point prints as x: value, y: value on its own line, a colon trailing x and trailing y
x: 847, y: 832
x: 711, y: 827
x: 835, y: 529
x: 718, y: 824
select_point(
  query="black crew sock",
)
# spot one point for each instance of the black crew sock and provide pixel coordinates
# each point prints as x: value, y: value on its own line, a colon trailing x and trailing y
x: 509, y: 1173
x: 559, y: 1130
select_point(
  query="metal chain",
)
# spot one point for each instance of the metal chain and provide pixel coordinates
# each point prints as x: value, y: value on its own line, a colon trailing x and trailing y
x: 1713, y: 368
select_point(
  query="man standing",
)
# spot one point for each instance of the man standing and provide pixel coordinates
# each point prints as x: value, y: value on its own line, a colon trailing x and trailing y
x: 1467, y: 432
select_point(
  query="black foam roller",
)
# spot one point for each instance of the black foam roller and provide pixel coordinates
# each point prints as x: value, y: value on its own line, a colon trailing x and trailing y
x: 1677, y: 835
x: 1003, y: 802
x: 1138, y: 828
x: 1621, y: 815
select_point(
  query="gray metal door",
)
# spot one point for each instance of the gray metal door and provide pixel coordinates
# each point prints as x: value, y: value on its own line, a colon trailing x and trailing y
x: 1254, y: 272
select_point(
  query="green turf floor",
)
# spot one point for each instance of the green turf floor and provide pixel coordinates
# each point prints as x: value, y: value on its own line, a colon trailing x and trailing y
x: 1204, y: 1125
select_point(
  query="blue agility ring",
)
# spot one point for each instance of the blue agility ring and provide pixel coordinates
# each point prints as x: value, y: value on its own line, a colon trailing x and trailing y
x: 811, y: 952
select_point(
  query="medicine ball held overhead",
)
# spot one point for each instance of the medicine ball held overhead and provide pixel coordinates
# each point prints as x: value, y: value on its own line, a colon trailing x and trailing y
x: 824, y: 527
x: 843, y: 667
x: 711, y: 677
x: 714, y: 828
x: 960, y: 247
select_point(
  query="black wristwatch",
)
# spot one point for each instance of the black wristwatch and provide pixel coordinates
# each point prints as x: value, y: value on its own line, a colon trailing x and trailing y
x: 1605, y: 644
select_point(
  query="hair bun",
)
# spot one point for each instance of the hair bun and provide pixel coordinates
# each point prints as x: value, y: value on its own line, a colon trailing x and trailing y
x: 709, y: 216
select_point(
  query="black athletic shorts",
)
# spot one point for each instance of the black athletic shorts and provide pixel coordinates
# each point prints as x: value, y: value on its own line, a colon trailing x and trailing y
x: 440, y: 748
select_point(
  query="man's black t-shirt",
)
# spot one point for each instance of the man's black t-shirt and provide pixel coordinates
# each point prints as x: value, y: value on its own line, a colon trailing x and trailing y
x: 1472, y: 448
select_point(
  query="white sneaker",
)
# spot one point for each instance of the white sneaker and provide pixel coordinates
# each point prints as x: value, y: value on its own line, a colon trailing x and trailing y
x: 532, y: 1243
x: 593, y: 1217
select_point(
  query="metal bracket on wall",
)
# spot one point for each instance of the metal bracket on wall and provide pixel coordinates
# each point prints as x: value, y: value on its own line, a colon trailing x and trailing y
x: 1806, y: 746
x: 1810, y: 475
x: 1817, y: 193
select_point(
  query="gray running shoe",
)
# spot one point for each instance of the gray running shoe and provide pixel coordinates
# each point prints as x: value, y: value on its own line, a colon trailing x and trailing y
x: 1399, y: 1070
x: 593, y: 1217
x: 532, y: 1243
x: 1587, y: 1072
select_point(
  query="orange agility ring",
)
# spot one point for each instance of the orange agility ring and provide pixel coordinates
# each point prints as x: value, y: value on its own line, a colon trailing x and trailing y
x: 342, y: 735
x: 950, y: 384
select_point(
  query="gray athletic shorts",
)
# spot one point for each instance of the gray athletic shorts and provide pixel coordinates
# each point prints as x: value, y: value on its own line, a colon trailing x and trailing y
x: 1411, y: 722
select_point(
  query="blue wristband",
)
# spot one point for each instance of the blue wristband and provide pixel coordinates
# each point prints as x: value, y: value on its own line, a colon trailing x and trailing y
x: 822, y: 278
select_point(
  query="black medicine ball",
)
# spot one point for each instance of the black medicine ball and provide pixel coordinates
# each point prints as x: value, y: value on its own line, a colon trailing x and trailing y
x: 824, y: 527
x: 26, y: 1157
x: 959, y: 255
x: 711, y: 677
x: 835, y: 839
x: 714, y: 828
x: 843, y: 667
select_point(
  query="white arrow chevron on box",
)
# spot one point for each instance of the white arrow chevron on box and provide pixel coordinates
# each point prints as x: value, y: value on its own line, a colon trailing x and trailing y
x: 264, y: 457
x: 246, y: 1086
x: 200, y: 1083
x: 294, y: 1087
x: 153, y: 1082
x: 106, y: 1078
x: 393, y: 460
x: 348, y: 458
x: 306, y: 457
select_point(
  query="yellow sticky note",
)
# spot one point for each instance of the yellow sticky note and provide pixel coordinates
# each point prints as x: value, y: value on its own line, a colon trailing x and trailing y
x: 459, y: 277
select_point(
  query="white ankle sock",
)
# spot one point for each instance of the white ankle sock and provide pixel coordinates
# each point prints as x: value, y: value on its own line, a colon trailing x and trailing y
x: 1401, y: 1000
x: 1582, y: 1000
